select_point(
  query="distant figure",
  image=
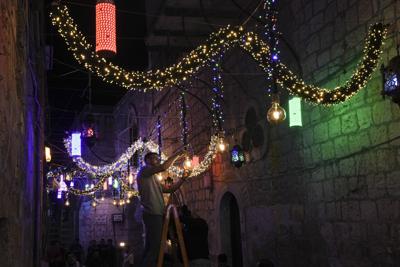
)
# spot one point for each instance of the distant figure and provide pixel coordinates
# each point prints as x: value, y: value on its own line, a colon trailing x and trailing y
x: 195, y: 232
x: 72, y: 260
x: 128, y: 257
x: 222, y: 260
x: 103, y: 250
x: 111, y: 253
x: 56, y: 255
x: 91, y: 252
x: 77, y: 249
x: 95, y: 260
x: 265, y: 263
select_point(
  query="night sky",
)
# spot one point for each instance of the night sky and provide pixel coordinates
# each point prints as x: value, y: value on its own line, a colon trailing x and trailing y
x: 68, y: 81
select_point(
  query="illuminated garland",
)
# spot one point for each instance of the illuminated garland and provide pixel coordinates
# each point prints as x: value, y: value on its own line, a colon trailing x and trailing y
x: 183, y: 122
x: 126, y: 188
x: 218, y: 95
x: 90, y: 191
x: 108, y: 169
x: 218, y: 43
x: 312, y: 93
x: 204, y: 164
x: 271, y: 35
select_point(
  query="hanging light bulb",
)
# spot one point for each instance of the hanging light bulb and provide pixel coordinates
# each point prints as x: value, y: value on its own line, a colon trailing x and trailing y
x: 129, y: 194
x: 94, y: 203
x: 67, y: 202
x: 187, y: 164
x: 102, y: 198
x: 130, y: 178
x: 221, y: 144
x: 276, y: 114
x: 128, y: 201
x: 115, y: 202
x: 159, y: 177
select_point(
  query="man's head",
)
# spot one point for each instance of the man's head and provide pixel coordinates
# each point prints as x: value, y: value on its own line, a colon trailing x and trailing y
x: 152, y: 159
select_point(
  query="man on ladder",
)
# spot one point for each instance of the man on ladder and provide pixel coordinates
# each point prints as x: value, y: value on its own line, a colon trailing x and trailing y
x: 151, y: 197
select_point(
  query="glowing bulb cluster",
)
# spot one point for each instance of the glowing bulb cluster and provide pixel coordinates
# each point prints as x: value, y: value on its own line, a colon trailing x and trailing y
x: 276, y: 114
x: 106, y: 27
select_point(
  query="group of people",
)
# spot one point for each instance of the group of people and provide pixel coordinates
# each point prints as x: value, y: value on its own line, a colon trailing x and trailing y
x: 100, y: 254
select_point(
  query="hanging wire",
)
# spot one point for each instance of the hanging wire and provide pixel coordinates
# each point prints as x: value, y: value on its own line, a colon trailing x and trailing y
x: 184, y: 125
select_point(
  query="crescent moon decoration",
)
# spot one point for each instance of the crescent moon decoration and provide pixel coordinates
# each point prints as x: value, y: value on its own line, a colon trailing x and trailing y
x: 218, y: 42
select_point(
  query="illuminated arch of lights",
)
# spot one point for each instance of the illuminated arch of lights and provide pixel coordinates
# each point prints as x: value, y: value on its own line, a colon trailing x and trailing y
x: 218, y: 42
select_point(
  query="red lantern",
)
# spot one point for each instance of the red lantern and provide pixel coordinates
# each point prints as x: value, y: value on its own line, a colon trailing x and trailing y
x: 106, y: 44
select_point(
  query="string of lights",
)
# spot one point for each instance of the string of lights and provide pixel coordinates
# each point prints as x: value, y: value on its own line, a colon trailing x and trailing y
x: 183, y: 122
x: 218, y: 94
x: 271, y: 36
x: 218, y: 42
x: 297, y: 87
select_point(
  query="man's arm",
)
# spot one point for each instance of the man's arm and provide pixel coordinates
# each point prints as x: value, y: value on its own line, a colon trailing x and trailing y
x: 148, y: 171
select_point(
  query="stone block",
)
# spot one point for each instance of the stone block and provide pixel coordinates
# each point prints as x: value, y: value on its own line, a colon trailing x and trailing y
x: 342, y: 5
x: 341, y: 146
x: 358, y: 141
x: 326, y: 43
x: 346, y: 167
x: 349, y: 123
x: 364, y: 117
x: 321, y: 132
x: 330, y: 12
x: 329, y: 190
x: 351, y: 211
x: 317, y: 175
x: 388, y: 210
x: 297, y: 212
x: 331, y: 211
x: 369, y: 211
x: 351, y: 17
x: 334, y: 127
x: 328, y: 150
x: 393, y: 183
x: 386, y: 160
x: 313, y: 46
x: 315, y: 191
x: 378, y: 134
x: 381, y: 112
x: 376, y: 185
x: 316, y: 153
x: 340, y: 185
x: 331, y: 171
x: 324, y: 57
x: 358, y: 188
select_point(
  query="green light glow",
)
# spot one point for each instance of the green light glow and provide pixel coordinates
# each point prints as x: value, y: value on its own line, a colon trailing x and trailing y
x: 295, y: 112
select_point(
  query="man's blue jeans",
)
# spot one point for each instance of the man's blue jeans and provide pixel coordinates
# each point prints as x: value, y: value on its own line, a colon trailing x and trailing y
x: 153, y: 229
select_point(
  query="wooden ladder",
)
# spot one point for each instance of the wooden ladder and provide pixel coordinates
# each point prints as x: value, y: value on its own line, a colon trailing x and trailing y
x: 171, y: 208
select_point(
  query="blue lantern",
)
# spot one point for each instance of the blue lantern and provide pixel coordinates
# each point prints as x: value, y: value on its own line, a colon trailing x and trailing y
x: 391, y: 79
x: 237, y: 156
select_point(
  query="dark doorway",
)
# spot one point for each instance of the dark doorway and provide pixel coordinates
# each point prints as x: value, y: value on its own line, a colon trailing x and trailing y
x: 231, y: 240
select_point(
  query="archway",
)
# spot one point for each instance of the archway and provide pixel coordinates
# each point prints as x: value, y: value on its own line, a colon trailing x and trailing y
x: 231, y: 241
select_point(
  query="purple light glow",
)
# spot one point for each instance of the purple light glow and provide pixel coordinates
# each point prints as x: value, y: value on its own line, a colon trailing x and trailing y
x: 76, y: 144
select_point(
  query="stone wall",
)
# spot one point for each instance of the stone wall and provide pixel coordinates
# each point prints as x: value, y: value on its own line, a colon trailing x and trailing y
x: 21, y: 132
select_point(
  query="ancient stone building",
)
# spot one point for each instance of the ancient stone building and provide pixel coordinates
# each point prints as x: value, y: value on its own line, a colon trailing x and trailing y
x: 22, y: 83
x: 324, y: 194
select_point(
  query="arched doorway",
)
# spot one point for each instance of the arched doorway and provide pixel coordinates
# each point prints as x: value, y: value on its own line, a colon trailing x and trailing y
x: 231, y: 241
